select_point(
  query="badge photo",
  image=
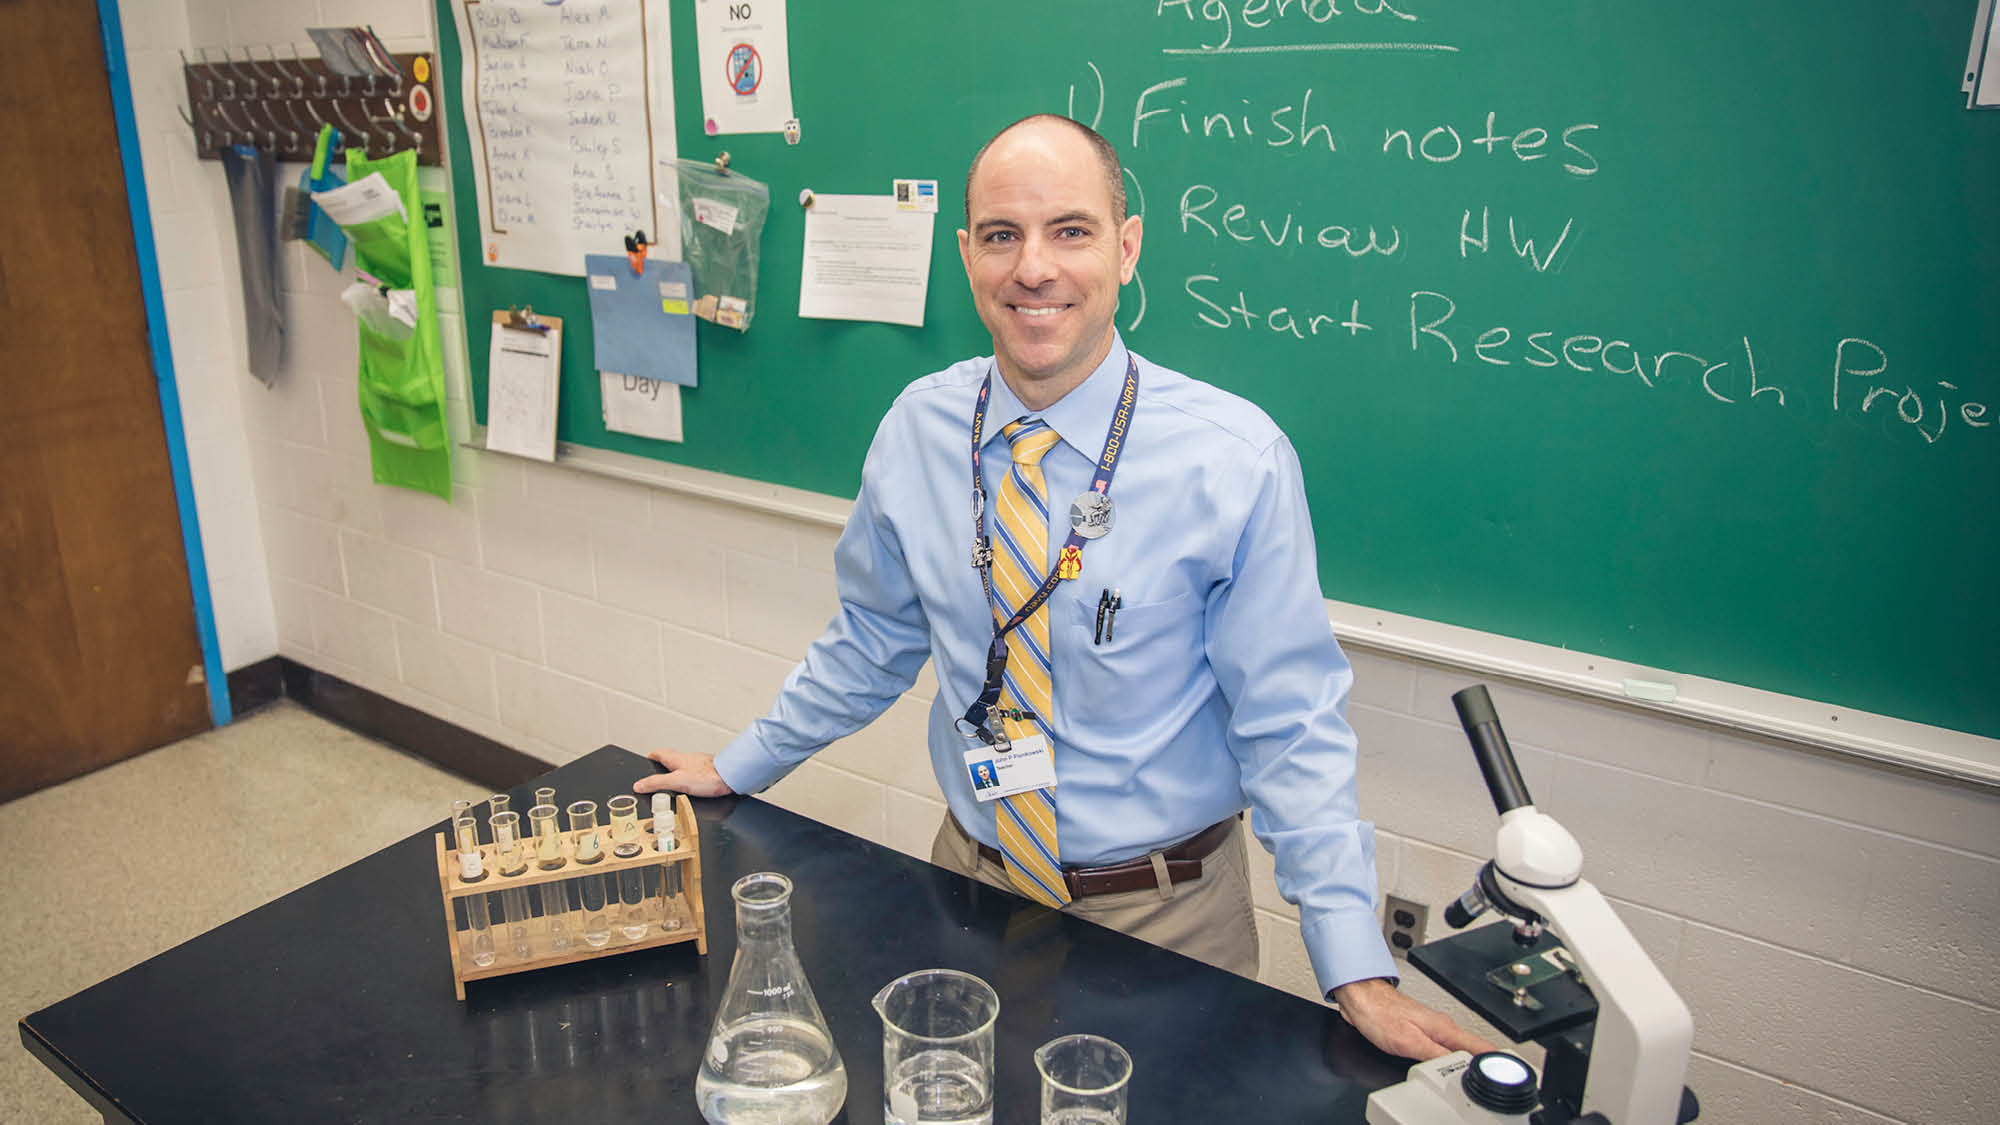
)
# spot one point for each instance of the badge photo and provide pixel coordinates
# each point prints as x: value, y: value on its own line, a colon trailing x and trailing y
x: 983, y: 775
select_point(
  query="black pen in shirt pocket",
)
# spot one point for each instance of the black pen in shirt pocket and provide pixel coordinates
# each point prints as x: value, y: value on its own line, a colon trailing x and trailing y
x: 1108, y: 603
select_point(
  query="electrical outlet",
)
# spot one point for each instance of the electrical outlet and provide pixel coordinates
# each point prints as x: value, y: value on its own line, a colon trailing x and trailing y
x: 1403, y: 925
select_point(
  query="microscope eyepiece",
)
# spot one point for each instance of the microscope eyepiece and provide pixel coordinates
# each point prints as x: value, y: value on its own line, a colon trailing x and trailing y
x: 1489, y: 746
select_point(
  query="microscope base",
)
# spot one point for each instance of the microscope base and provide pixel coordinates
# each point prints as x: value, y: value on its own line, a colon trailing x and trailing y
x: 1434, y: 1095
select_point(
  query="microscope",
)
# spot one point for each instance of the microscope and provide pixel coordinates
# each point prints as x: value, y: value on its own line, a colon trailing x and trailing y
x: 1562, y: 971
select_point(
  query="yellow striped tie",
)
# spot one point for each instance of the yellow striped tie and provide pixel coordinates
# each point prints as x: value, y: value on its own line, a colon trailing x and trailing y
x: 1027, y: 821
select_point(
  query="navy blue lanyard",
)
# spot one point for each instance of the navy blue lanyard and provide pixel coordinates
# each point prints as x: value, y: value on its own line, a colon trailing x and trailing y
x: 1072, y: 551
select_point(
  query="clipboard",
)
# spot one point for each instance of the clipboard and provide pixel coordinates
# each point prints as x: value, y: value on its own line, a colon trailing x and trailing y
x: 523, y: 383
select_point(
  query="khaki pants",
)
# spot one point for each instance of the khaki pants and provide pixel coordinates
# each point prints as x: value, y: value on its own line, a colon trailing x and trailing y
x: 1208, y: 919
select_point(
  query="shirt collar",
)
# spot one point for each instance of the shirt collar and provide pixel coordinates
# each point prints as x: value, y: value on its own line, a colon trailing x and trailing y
x: 1081, y: 417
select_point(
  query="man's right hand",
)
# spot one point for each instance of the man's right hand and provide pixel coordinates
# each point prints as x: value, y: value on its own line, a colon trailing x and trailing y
x: 693, y: 774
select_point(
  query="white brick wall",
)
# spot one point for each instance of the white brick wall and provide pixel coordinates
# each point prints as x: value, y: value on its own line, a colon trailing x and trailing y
x: 1832, y: 925
x: 190, y: 238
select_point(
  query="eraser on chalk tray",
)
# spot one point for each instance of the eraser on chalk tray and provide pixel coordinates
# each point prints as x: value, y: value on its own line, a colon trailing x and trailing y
x: 1652, y: 691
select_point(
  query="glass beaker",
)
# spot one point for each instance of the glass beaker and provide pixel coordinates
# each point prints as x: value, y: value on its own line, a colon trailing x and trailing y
x: 1084, y: 1078
x: 770, y: 1056
x: 937, y: 1047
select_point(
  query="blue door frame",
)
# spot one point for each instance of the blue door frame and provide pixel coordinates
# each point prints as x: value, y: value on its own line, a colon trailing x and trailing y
x: 163, y: 357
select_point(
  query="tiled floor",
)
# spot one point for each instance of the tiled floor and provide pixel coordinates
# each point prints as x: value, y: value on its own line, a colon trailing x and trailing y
x: 264, y: 805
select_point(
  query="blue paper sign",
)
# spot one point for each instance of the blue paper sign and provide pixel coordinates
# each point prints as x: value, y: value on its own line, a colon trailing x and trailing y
x: 642, y: 325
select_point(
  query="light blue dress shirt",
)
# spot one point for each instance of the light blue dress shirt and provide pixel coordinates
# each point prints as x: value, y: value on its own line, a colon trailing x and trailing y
x: 1221, y: 686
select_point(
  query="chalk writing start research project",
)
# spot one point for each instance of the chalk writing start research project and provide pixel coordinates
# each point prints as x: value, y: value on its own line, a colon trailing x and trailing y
x: 1855, y: 373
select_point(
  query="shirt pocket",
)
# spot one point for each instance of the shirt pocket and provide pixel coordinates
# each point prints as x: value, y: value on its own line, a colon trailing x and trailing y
x: 1140, y: 673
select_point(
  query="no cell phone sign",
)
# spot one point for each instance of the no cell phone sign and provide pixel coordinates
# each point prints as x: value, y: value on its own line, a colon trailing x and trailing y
x: 745, y: 69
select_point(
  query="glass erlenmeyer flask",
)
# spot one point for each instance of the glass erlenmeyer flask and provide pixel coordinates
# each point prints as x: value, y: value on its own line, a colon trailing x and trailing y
x: 770, y: 1058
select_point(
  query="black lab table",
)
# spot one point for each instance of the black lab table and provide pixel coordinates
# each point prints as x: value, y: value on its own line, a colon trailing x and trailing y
x: 334, y: 1003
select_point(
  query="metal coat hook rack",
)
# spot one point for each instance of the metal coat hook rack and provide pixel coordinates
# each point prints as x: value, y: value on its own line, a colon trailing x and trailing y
x: 257, y: 100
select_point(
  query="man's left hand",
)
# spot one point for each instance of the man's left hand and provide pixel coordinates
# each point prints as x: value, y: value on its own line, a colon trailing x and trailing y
x: 1400, y: 1025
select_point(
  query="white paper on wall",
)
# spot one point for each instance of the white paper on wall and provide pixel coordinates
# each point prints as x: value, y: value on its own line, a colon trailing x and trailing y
x: 745, y: 67
x: 1982, y: 67
x: 523, y: 380
x: 570, y: 111
x: 865, y: 259
x: 646, y: 407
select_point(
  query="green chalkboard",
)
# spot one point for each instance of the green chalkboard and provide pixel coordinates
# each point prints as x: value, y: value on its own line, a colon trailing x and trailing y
x: 1614, y: 267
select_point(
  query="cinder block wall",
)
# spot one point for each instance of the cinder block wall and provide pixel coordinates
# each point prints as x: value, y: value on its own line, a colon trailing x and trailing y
x: 1832, y: 925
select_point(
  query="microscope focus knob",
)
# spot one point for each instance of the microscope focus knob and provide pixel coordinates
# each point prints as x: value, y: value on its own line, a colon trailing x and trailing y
x: 1501, y: 1082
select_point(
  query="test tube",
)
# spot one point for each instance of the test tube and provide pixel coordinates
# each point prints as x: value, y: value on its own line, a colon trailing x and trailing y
x: 549, y: 857
x: 633, y: 909
x: 665, y: 841
x: 511, y: 856
x: 495, y: 805
x: 589, y: 838
x: 546, y: 795
x: 549, y: 853
x: 624, y: 812
x: 472, y: 869
x: 508, y: 853
x: 459, y: 811
x: 589, y: 850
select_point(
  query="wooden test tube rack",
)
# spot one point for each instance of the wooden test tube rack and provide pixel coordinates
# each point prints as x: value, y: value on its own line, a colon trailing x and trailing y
x: 686, y: 857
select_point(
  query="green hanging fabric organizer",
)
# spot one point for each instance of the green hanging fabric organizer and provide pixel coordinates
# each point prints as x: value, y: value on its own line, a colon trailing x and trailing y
x: 401, y: 380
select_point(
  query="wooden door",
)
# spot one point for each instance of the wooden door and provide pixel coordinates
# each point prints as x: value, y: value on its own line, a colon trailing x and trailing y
x: 97, y: 630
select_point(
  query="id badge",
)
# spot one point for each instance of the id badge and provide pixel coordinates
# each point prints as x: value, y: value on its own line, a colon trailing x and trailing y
x: 1024, y: 766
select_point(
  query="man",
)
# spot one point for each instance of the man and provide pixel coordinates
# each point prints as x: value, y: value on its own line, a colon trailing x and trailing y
x: 1176, y: 663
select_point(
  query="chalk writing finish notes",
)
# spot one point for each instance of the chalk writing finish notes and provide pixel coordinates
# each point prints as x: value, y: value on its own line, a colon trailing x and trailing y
x: 570, y: 108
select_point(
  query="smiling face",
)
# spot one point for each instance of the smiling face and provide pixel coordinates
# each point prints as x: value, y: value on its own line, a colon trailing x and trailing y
x: 1045, y: 256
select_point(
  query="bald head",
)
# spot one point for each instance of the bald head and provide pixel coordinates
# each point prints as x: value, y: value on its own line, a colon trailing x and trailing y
x: 1107, y: 159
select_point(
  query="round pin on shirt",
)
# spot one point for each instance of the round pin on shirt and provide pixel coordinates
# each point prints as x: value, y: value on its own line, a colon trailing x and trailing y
x: 1090, y: 515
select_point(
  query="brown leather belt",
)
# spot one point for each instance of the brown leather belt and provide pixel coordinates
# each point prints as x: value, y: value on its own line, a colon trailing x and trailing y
x: 1183, y: 864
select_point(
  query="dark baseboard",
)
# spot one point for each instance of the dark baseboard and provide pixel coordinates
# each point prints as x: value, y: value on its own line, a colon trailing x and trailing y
x: 447, y: 745
x: 256, y: 685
